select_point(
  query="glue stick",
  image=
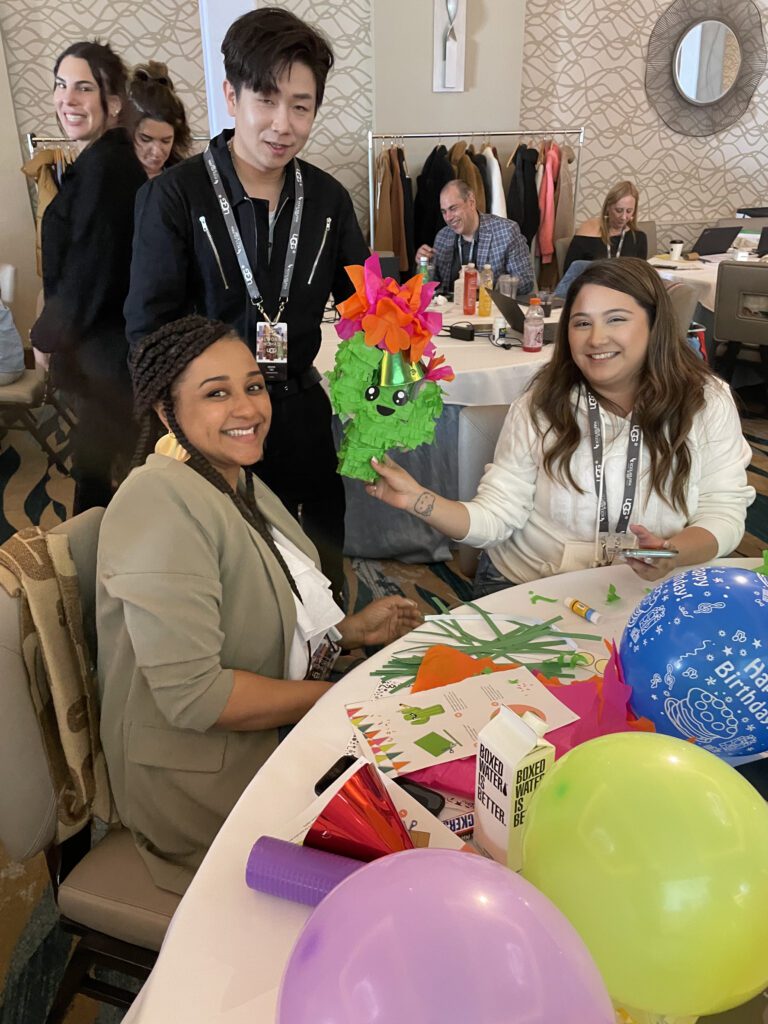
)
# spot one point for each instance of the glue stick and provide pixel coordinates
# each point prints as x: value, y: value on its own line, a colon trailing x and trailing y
x: 581, y: 609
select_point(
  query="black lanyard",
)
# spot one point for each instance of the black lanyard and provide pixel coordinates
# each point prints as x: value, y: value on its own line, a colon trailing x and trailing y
x: 472, y: 250
x: 237, y: 242
x: 630, y: 474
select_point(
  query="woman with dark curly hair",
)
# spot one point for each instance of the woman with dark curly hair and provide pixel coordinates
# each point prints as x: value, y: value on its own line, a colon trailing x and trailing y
x: 625, y: 431
x: 161, y: 135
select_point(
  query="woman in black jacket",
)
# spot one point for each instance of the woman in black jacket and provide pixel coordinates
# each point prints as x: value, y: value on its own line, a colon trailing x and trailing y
x: 86, y: 248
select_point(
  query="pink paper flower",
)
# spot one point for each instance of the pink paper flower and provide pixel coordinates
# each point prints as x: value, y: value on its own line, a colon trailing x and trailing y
x: 392, y: 316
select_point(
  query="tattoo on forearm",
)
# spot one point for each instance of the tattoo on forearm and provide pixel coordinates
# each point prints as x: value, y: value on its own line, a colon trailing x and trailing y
x: 424, y: 504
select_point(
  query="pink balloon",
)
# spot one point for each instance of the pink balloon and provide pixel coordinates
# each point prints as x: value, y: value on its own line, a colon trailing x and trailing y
x: 440, y: 937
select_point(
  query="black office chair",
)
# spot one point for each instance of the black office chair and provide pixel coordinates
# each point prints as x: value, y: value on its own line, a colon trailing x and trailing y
x: 741, y: 317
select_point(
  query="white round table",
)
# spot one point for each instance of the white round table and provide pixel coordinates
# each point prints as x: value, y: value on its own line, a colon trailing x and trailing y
x: 226, y: 948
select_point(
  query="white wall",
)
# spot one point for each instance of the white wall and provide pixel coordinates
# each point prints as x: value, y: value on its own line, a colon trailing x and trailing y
x: 402, y: 68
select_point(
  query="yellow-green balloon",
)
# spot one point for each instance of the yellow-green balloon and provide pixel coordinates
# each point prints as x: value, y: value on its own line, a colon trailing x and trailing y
x: 657, y: 852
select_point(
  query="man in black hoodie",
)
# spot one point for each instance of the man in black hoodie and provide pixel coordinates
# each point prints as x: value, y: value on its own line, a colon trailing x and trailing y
x: 248, y: 234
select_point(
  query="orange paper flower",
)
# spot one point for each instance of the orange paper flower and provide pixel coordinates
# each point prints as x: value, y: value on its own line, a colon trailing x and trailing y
x: 387, y: 325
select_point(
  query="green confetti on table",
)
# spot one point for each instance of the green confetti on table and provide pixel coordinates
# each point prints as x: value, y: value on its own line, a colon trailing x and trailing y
x: 612, y: 596
x: 537, y: 646
x: 540, y: 597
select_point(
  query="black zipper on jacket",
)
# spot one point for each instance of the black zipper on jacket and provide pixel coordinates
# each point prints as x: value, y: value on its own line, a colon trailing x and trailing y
x: 207, y: 233
x: 328, y: 221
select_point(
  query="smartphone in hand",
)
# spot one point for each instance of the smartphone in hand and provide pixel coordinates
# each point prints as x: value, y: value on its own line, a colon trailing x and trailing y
x: 649, y: 552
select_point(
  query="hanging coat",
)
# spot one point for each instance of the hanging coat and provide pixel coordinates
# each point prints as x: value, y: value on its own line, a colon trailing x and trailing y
x: 383, y: 232
x: 435, y: 174
x: 466, y: 171
x: 564, y: 212
x: 498, y: 202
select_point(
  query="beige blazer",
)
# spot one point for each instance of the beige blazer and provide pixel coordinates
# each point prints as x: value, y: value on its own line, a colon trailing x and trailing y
x: 187, y: 592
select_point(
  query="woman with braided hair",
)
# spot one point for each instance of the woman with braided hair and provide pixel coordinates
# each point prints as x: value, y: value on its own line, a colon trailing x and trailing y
x: 215, y: 626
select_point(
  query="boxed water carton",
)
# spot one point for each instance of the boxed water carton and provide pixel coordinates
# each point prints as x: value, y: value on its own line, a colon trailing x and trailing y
x: 512, y: 759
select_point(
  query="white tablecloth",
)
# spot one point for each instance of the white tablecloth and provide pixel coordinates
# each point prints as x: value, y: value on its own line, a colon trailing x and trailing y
x: 227, y: 946
x: 701, y: 275
x: 485, y: 374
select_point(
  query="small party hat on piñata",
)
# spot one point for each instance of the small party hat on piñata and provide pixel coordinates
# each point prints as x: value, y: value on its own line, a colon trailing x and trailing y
x: 385, y: 393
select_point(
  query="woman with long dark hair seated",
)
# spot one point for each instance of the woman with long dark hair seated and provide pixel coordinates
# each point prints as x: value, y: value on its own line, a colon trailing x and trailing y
x: 625, y: 431
x: 215, y: 625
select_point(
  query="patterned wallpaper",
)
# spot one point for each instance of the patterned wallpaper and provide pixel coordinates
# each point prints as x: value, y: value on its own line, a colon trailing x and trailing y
x: 35, y: 32
x: 584, y: 63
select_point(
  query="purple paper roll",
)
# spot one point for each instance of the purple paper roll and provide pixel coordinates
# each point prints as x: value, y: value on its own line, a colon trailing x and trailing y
x: 294, y: 872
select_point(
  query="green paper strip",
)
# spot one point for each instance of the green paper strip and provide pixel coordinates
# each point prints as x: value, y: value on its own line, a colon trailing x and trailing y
x: 535, y: 598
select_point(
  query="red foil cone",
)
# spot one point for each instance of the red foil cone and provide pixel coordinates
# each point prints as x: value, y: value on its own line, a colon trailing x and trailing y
x: 360, y: 820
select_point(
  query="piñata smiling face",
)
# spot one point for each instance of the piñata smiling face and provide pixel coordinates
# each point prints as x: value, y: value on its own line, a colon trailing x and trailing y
x: 383, y: 416
x: 383, y: 392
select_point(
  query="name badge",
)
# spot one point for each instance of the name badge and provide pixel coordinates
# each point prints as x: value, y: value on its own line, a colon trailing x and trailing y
x: 272, y: 350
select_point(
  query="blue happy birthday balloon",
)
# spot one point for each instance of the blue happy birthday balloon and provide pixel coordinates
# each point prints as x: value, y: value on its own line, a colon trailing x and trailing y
x: 695, y: 652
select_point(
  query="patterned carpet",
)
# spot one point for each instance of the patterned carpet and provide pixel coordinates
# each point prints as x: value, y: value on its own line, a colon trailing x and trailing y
x: 33, y: 952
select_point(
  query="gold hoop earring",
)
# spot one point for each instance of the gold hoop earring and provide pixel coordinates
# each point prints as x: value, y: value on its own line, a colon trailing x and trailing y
x: 169, y: 446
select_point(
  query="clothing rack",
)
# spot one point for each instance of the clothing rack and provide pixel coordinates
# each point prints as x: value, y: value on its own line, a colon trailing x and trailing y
x: 34, y: 140
x: 527, y: 133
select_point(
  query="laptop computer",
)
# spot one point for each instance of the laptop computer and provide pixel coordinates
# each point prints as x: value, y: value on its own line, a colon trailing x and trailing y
x: 509, y: 309
x: 713, y: 241
x: 762, y: 245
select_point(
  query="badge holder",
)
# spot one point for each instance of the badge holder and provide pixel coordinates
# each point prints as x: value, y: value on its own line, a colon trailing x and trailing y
x: 272, y: 350
x: 610, y: 546
x: 325, y: 657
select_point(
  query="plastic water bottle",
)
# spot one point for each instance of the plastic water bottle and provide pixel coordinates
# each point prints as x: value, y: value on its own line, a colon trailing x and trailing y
x: 458, y: 290
x: 486, y: 284
x: 424, y: 269
x: 470, y: 290
x: 533, y: 328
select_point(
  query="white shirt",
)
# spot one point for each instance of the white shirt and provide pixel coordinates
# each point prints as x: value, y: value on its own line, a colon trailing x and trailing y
x: 316, y: 614
x: 536, y: 526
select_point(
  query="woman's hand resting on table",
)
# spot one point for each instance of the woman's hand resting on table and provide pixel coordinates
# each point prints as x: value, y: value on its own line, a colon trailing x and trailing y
x: 380, y: 622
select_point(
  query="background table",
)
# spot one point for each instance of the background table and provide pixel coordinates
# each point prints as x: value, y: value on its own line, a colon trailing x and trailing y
x: 227, y: 947
x: 485, y: 375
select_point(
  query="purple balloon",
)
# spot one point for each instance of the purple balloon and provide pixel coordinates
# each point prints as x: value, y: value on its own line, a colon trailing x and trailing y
x: 440, y: 937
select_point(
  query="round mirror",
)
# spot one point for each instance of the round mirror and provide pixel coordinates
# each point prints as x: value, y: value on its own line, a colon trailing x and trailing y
x: 706, y: 62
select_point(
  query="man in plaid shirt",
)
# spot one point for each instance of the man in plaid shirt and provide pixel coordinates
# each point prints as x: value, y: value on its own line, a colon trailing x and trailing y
x: 479, y: 238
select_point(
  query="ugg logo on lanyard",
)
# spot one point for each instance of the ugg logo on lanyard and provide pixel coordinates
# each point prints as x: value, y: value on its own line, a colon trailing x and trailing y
x: 224, y: 203
x: 597, y: 438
